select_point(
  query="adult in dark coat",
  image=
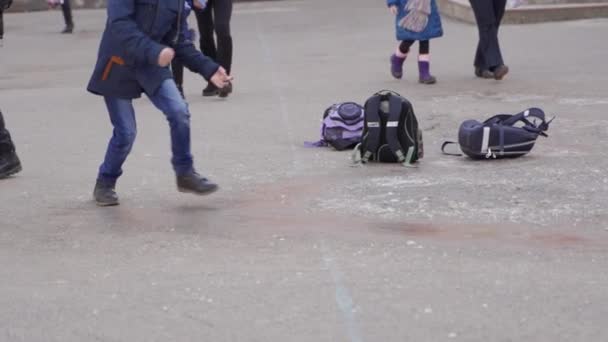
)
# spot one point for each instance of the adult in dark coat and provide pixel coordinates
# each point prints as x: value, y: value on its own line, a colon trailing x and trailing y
x: 488, y: 58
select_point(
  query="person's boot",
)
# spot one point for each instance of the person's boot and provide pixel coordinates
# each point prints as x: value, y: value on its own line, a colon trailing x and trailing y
x: 104, y: 194
x: 210, y: 90
x: 195, y: 184
x: 500, y: 72
x: 68, y: 29
x: 224, y: 92
x: 424, y: 69
x: 483, y: 73
x: 67, y: 17
x: 397, y: 66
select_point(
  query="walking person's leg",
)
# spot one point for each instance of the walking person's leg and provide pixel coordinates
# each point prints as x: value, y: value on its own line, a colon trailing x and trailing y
x: 499, y: 11
x: 168, y: 100
x: 488, y: 55
x: 222, y: 12
x: 398, y: 57
x: 9, y: 162
x: 66, y: 8
x: 1, y: 26
x: 424, y: 63
x: 204, y: 20
x: 122, y: 116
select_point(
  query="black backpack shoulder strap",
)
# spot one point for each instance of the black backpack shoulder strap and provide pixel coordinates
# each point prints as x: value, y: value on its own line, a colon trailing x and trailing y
x: 529, y: 126
x: 373, y: 123
x: 392, y: 127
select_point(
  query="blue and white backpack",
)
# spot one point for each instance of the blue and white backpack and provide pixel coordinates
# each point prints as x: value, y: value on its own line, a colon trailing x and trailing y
x: 501, y: 136
x: 342, y: 126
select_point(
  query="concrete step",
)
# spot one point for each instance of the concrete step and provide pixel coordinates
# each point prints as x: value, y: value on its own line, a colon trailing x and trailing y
x: 533, y: 11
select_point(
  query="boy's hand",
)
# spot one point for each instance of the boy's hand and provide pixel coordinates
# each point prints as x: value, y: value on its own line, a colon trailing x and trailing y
x: 166, y: 56
x: 221, y: 79
x: 394, y: 10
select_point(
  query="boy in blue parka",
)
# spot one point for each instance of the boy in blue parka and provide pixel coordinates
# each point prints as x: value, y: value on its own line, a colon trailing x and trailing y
x: 140, y: 40
x: 415, y: 20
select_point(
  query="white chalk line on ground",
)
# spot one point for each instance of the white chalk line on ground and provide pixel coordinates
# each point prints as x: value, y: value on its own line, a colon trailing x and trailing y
x: 344, y: 300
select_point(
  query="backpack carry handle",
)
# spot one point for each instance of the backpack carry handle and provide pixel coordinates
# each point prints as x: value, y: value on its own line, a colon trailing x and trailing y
x: 529, y: 126
x: 445, y: 144
x: 385, y: 92
x: 510, y: 120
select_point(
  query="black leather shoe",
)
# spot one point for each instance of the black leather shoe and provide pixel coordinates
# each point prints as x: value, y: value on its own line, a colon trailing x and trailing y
x: 195, y: 184
x: 210, y: 90
x: 500, y: 72
x: 105, y: 195
x: 487, y: 74
x: 68, y: 29
x: 9, y: 165
x: 224, y: 92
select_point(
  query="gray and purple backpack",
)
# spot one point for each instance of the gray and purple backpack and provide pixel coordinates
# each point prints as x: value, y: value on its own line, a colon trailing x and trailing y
x: 501, y: 136
x: 342, y: 126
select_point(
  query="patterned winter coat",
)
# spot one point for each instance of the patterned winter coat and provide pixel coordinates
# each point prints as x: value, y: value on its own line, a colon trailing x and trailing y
x: 432, y: 30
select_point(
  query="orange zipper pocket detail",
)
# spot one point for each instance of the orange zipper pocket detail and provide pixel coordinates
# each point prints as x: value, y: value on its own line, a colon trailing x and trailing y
x: 113, y: 60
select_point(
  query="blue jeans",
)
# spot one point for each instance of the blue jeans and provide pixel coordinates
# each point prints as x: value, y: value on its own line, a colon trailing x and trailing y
x: 167, y: 99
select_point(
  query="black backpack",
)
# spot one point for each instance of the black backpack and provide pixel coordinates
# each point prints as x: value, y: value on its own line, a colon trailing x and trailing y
x: 501, y: 136
x: 390, y: 133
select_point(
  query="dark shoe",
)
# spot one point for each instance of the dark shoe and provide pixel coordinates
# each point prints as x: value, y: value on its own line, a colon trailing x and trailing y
x: 224, y: 92
x: 105, y: 195
x: 195, y: 184
x: 397, y: 66
x: 500, y: 72
x: 425, y: 77
x: 211, y: 90
x: 68, y: 29
x: 9, y: 165
x: 483, y: 73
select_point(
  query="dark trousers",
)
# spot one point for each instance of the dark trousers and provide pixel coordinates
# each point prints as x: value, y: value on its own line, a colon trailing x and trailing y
x: 178, y: 72
x: 67, y: 13
x: 1, y: 24
x: 216, y: 18
x: 488, y: 14
x: 6, y: 144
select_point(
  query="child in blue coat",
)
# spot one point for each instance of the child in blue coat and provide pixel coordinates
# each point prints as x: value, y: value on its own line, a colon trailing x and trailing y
x: 140, y: 41
x: 416, y: 20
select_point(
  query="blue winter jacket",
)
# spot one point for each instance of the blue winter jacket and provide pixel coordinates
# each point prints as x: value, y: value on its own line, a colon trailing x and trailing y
x: 136, y: 32
x: 432, y: 30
